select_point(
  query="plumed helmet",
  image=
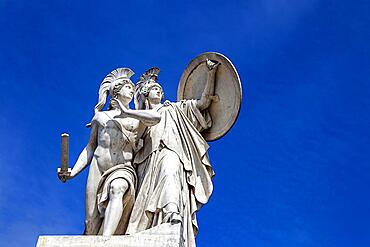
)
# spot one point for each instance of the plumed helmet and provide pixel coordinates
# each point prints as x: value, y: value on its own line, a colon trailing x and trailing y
x: 111, y: 83
x: 143, y: 86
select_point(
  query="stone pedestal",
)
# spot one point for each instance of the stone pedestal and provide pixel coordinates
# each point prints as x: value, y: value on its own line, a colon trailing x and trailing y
x: 165, y: 235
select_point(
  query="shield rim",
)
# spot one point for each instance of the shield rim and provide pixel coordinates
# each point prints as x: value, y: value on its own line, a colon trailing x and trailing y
x: 190, y: 67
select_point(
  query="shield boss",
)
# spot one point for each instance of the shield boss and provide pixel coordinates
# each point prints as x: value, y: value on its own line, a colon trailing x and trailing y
x: 225, y: 108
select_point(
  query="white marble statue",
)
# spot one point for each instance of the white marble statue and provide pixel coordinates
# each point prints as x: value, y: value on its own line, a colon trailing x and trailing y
x: 149, y: 168
x: 173, y: 169
x: 111, y: 184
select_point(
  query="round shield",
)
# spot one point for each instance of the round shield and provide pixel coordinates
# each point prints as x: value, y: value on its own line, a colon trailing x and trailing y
x: 225, y: 105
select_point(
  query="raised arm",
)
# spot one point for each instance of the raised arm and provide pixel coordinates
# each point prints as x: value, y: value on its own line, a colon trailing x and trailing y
x: 146, y: 117
x: 209, y: 90
x: 87, y: 153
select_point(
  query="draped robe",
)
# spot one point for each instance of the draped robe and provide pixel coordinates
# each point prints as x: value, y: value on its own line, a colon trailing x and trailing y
x: 185, y: 181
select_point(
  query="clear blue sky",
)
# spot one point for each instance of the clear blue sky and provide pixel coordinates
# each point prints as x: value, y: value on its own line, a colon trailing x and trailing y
x: 293, y: 171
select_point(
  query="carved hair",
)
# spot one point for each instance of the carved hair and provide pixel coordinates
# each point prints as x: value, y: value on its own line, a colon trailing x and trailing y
x: 111, y: 86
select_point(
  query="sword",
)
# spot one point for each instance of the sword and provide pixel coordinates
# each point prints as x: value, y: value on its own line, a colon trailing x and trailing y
x: 64, y: 171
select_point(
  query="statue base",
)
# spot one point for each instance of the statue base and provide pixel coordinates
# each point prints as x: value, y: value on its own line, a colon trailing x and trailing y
x: 164, y: 235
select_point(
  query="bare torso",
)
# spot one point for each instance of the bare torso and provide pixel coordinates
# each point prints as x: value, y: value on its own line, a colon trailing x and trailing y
x: 116, y: 139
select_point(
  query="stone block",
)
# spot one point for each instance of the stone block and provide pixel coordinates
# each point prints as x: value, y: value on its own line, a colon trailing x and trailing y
x: 164, y: 235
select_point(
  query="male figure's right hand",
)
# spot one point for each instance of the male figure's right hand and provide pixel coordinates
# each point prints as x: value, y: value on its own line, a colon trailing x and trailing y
x: 64, y: 175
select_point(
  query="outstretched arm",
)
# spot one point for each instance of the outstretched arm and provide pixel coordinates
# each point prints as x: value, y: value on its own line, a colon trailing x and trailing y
x: 146, y: 117
x: 87, y: 153
x: 209, y: 90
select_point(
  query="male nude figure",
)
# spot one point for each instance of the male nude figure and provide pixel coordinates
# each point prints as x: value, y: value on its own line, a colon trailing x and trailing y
x: 110, y: 189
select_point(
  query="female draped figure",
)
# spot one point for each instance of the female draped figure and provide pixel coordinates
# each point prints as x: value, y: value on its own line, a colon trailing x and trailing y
x: 173, y: 168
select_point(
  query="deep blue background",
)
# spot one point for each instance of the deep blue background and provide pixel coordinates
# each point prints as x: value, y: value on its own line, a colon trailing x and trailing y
x: 293, y: 171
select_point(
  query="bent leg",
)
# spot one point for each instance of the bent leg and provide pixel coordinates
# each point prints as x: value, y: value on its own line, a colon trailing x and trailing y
x: 113, y: 213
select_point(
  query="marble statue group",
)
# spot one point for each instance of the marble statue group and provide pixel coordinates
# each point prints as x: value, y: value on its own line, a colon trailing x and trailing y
x: 150, y: 165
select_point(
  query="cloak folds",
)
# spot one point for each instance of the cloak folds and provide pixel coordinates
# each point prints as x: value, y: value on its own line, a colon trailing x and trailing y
x: 174, y: 172
x: 127, y: 172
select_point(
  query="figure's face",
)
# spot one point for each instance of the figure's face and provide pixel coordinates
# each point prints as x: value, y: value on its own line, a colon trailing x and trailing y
x: 155, y: 94
x: 126, y: 92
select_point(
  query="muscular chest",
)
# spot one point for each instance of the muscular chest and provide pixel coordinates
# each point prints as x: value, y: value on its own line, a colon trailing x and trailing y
x: 116, y: 132
x: 112, y: 123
